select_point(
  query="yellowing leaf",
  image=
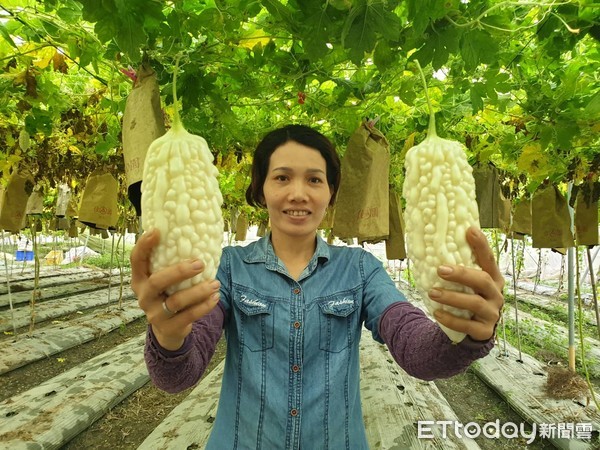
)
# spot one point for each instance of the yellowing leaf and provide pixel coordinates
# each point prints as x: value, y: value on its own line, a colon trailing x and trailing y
x: 20, y: 78
x: 74, y: 150
x: 61, y: 360
x: 581, y: 171
x: 45, y: 57
x: 534, y: 162
x: 255, y: 37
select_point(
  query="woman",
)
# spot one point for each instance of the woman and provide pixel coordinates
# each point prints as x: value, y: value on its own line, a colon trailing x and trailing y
x: 292, y: 308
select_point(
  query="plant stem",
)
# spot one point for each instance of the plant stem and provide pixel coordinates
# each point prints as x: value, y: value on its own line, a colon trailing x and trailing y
x: 177, y: 125
x: 431, y: 131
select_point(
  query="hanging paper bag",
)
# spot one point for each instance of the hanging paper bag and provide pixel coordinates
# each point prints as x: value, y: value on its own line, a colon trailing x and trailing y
x: 241, y: 227
x: 586, y: 212
x: 494, y: 208
x: 14, y: 203
x: 395, y: 246
x: 521, y: 219
x: 62, y: 200
x: 263, y: 229
x: 35, y: 203
x: 327, y: 221
x: 73, y: 231
x: 143, y: 122
x: 362, y: 205
x: 73, y: 207
x: 551, y: 221
x: 99, y: 207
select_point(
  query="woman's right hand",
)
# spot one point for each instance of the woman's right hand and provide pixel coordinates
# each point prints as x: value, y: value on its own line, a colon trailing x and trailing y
x: 186, y: 306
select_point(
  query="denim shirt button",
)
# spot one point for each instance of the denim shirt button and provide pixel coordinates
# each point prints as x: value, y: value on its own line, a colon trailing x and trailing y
x: 296, y: 325
x: 294, y: 412
x: 296, y: 368
x: 296, y: 291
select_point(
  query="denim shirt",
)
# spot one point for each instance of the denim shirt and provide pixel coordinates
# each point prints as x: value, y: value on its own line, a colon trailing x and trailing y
x: 291, y: 378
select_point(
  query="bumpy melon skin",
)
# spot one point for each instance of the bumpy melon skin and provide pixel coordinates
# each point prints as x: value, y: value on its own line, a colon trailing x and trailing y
x: 439, y: 190
x: 181, y: 198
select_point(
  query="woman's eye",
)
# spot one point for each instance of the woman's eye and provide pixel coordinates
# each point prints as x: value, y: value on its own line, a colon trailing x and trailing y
x: 316, y: 180
x: 281, y: 177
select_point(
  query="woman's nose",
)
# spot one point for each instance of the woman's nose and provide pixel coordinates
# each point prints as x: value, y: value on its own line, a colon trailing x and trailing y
x: 297, y: 191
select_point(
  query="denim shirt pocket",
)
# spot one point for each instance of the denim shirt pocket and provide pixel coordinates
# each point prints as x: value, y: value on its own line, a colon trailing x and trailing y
x: 256, y: 320
x: 338, y: 321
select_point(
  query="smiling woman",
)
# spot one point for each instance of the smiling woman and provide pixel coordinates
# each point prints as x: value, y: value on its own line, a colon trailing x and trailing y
x: 293, y: 307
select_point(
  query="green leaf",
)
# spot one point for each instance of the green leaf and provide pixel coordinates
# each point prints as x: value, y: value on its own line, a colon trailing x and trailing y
x: 476, y: 93
x: 94, y: 10
x: 407, y: 92
x: 362, y: 25
x: 316, y: 36
x: 69, y: 15
x: 131, y: 37
x: 437, y: 47
x: 592, y: 109
x: 279, y: 11
x: 386, y: 22
x: 384, y: 57
x: 210, y: 17
x: 6, y: 35
x: 477, y: 47
x: 421, y: 12
x: 565, y: 134
x: 105, y: 30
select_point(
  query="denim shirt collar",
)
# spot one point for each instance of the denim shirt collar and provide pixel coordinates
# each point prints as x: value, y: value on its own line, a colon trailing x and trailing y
x: 263, y: 252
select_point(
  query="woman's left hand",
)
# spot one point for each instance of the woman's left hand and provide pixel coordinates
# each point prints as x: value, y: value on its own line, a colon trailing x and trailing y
x: 487, y: 284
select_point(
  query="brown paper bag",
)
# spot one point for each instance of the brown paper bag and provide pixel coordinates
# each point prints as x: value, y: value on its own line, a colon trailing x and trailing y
x: 62, y: 199
x: 73, y: 231
x: 551, y: 221
x: 263, y: 229
x: 586, y: 212
x: 99, y: 202
x: 327, y: 222
x: 14, y: 203
x: 494, y: 208
x: 35, y: 203
x: 521, y: 219
x: 241, y: 227
x: 395, y: 246
x: 362, y: 205
x: 143, y: 122
x: 73, y: 207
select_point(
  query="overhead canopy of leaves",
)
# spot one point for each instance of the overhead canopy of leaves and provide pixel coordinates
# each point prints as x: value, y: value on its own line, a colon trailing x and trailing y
x: 517, y: 83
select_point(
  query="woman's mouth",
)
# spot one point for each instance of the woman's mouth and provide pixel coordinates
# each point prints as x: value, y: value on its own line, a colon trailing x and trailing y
x: 296, y: 213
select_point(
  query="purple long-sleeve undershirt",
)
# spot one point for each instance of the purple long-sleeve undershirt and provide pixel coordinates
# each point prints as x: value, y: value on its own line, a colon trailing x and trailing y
x: 175, y: 371
x: 417, y: 344
x: 420, y: 346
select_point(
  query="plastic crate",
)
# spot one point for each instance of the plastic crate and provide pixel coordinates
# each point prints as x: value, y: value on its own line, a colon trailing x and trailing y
x: 24, y: 255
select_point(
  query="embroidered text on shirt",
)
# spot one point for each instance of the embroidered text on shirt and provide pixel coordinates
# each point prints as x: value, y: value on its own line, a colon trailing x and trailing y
x: 251, y: 302
x: 344, y: 301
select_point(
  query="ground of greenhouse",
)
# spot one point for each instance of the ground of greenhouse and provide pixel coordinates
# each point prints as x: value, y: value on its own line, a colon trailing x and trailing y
x: 127, y: 425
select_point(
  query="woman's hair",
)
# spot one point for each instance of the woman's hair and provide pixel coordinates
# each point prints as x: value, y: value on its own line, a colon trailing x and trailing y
x: 302, y: 135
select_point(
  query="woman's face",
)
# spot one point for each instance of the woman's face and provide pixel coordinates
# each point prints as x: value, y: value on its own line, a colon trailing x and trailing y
x: 296, y: 191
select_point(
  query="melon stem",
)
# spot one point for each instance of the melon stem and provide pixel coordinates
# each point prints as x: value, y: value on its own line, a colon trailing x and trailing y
x: 431, y: 131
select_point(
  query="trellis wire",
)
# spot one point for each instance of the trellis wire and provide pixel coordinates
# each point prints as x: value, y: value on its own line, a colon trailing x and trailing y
x: 581, y: 337
x: 514, y: 283
x: 8, y: 275
x: 594, y: 293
